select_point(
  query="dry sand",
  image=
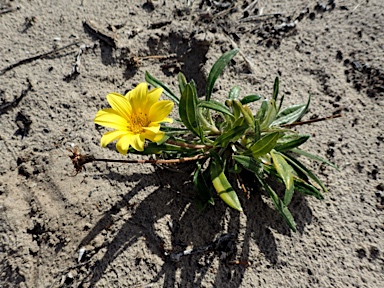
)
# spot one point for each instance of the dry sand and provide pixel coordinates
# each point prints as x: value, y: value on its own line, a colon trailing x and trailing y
x: 129, y: 218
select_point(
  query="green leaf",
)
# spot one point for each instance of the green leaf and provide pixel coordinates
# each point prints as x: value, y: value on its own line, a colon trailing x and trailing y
x: 247, y: 113
x: 182, y: 82
x: 291, y: 114
x: 217, y: 106
x: 279, y: 205
x: 187, y: 109
x: 284, y: 170
x: 257, y: 130
x: 270, y: 114
x: 250, y: 98
x: 216, y: 70
x: 157, y: 83
x: 203, y: 194
x: 307, y: 189
x: 314, y: 157
x: 275, y: 89
x: 231, y: 135
x: 265, y: 144
x: 248, y: 163
x: 281, y: 103
x: 301, y: 167
x: 234, y: 92
x: 263, y: 108
x: 222, y: 185
x: 290, y: 141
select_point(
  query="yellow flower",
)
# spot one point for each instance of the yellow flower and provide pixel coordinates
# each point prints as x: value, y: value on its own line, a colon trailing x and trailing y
x: 135, y: 117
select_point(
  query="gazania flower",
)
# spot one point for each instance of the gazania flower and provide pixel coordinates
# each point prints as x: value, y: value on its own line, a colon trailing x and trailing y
x: 135, y: 117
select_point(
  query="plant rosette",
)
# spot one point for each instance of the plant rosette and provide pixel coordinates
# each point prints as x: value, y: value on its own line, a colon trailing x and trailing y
x: 221, y: 138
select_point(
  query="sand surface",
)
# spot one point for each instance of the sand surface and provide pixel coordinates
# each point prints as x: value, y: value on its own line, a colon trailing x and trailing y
x: 129, y: 219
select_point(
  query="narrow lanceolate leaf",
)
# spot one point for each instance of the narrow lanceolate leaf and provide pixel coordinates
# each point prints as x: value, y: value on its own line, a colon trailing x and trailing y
x: 217, y: 106
x: 264, y: 145
x: 232, y: 135
x: 182, y: 82
x: 275, y: 89
x: 270, y: 114
x: 297, y: 165
x: 284, y: 170
x: 248, y: 163
x: 291, y: 114
x: 187, y: 110
x: 216, y: 70
x: 157, y: 83
x: 307, y: 189
x: 262, y: 110
x: 223, y: 187
x: 279, y: 205
x: 290, y: 141
x: 234, y: 92
x: 314, y: 157
x: 249, y: 99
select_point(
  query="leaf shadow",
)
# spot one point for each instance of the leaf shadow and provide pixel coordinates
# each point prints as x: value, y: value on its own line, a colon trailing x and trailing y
x: 172, y: 199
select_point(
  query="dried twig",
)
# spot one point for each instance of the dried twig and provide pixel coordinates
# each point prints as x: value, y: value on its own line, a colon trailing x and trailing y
x: 33, y: 58
x: 157, y: 57
x: 76, y: 66
x: 79, y: 160
x: 257, y: 17
x: 94, y: 29
x: 312, y: 121
x: 8, y: 9
x: 251, y: 6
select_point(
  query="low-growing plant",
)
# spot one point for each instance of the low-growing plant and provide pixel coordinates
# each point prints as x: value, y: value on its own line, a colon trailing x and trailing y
x: 221, y: 138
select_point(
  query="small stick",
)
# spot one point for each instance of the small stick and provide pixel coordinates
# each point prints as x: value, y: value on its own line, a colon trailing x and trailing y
x: 33, y: 58
x: 225, y: 12
x: 159, y: 161
x: 8, y: 10
x: 106, y: 37
x: 157, y: 57
x: 76, y: 66
x: 312, y: 121
x: 257, y: 17
x: 79, y: 160
x: 251, y: 6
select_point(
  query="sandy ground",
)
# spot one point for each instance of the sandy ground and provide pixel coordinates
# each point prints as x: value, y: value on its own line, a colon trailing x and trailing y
x: 129, y: 219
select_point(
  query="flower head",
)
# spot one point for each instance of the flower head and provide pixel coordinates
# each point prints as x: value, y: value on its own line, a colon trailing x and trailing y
x: 135, y: 117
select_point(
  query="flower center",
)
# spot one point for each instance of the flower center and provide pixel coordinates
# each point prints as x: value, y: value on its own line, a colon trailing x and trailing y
x: 137, y: 122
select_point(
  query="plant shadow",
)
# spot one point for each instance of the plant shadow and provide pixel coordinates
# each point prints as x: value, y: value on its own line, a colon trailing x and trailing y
x: 173, y: 198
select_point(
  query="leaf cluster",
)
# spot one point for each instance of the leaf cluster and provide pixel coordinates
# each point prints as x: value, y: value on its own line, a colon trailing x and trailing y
x: 234, y: 138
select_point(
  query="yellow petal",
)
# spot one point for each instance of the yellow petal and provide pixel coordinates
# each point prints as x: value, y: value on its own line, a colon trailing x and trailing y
x: 110, y: 136
x: 109, y: 118
x: 120, y: 104
x: 153, y: 127
x: 137, y: 142
x: 138, y: 97
x: 154, y: 137
x: 152, y: 97
x: 123, y: 144
x: 168, y: 120
x: 160, y: 110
